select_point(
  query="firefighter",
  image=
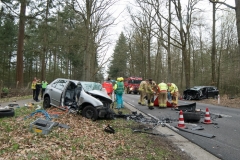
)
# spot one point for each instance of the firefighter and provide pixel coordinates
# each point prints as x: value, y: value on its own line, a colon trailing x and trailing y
x: 119, y: 89
x: 142, y: 90
x: 174, y: 92
x: 108, y: 86
x: 162, y: 94
x: 151, y: 90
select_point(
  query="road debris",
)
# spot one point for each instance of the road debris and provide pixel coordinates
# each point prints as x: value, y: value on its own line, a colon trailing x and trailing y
x: 198, y: 133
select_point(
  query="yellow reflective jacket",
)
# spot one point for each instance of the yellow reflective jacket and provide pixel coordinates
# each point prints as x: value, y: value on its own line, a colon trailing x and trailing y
x: 143, y: 86
x: 151, y: 88
x: 162, y: 87
x: 173, y: 88
x: 33, y: 86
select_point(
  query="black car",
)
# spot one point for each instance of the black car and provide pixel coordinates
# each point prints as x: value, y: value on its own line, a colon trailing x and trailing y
x: 200, y: 92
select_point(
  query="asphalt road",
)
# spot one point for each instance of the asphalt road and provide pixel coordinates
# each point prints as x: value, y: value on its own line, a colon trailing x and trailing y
x: 226, y: 127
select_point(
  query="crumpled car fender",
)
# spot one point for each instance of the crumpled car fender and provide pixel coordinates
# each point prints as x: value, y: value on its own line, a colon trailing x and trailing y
x: 86, y: 98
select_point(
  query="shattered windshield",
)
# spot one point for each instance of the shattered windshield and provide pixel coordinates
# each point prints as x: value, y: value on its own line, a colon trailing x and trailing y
x: 89, y: 86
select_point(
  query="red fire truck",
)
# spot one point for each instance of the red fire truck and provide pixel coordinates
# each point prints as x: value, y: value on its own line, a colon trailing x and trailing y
x: 131, y: 84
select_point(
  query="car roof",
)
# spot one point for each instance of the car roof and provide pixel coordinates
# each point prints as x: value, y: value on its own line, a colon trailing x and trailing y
x: 204, y: 86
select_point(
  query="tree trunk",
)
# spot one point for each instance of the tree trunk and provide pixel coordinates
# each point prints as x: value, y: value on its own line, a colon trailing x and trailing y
x: 19, y: 66
x: 213, y: 56
x: 43, y: 75
x: 169, y: 61
x: 237, y: 2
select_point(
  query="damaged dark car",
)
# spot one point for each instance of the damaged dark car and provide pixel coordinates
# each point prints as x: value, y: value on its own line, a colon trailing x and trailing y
x: 200, y: 92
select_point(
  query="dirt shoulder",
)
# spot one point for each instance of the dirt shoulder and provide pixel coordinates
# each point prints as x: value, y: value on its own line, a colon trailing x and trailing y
x: 224, y: 101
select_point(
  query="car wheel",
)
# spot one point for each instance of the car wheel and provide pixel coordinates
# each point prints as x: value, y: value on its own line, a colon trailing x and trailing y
x: 191, y: 116
x: 90, y: 112
x: 7, y: 113
x: 46, y: 102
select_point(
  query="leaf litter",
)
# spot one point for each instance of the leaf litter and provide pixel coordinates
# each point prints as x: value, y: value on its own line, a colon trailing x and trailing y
x: 86, y: 139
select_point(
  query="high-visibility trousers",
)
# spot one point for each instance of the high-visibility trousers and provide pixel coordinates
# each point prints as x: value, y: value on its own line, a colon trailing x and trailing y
x: 162, y: 99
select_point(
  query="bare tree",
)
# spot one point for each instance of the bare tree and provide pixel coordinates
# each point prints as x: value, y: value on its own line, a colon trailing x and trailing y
x: 96, y: 19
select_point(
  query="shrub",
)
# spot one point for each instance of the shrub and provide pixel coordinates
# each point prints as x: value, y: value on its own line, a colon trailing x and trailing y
x: 5, y: 90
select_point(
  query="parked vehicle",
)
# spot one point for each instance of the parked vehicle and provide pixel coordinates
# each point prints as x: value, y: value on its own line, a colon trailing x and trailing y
x: 131, y: 84
x: 200, y: 92
x: 81, y: 96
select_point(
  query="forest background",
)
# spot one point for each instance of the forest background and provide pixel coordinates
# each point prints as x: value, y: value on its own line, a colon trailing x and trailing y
x: 171, y: 40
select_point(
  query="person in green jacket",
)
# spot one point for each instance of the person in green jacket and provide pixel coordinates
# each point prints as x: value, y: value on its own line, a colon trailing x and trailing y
x: 119, y: 89
x: 44, y: 86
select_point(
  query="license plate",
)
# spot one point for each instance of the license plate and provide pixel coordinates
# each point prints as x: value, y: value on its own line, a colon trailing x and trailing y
x: 37, y: 130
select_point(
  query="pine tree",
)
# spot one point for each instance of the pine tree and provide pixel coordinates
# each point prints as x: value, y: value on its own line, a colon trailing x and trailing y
x: 118, y: 64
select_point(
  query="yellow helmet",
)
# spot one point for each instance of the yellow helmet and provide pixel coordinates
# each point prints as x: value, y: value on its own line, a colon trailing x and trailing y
x: 119, y: 79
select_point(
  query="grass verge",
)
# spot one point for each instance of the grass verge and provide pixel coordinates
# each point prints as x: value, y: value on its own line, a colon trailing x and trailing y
x: 85, y: 139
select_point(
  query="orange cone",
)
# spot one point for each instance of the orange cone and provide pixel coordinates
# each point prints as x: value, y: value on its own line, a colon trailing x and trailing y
x: 207, y: 119
x: 181, y: 120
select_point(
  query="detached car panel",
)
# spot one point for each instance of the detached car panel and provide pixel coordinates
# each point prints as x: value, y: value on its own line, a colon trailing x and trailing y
x: 85, y: 97
x: 200, y: 92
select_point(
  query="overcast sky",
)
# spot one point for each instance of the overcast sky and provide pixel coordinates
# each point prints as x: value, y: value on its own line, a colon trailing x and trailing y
x: 122, y: 18
x: 120, y: 10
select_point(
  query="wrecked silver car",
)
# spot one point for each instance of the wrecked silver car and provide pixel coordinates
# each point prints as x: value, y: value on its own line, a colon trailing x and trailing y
x: 81, y: 96
x: 200, y: 92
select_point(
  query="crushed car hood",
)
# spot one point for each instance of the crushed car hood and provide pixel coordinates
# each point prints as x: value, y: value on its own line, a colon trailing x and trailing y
x: 100, y: 94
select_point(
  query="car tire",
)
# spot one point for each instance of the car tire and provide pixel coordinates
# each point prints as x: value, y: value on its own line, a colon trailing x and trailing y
x: 7, y: 113
x: 46, y: 102
x: 90, y: 112
x: 191, y: 116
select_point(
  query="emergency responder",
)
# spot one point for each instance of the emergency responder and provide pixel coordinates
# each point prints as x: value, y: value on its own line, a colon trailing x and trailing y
x: 142, y: 90
x: 38, y: 88
x: 174, y: 92
x: 119, y: 89
x: 151, y: 90
x: 44, y: 86
x: 169, y: 96
x: 108, y: 86
x: 162, y: 94
x: 33, y: 87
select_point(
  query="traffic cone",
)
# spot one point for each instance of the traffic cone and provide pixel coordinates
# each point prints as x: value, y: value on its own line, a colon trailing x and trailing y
x: 207, y: 119
x: 181, y: 121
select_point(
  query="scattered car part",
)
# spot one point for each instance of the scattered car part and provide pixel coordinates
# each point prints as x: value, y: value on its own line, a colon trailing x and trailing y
x: 134, y: 112
x: 188, y: 107
x: 63, y: 126
x: 189, y: 112
x: 13, y: 105
x: 150, y: 107
x: 191, y: 116
x: 200, y: 92
x: 198, y: 133
x: 157, y: 134
x: 41, y: 126
x: 7, y: 113
x: 109, y: 129
x: 197, y: 128
x: 39, y: 111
